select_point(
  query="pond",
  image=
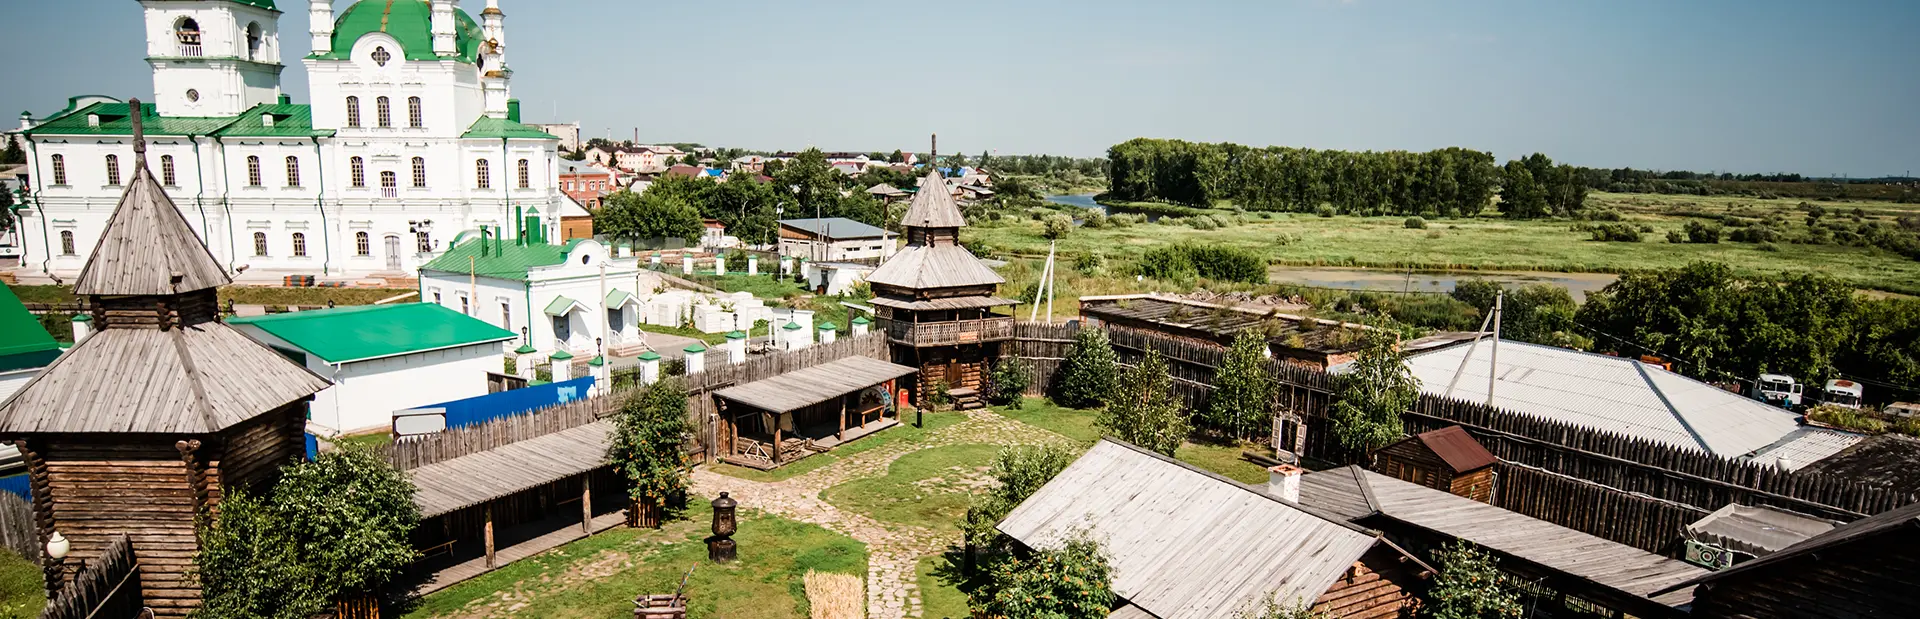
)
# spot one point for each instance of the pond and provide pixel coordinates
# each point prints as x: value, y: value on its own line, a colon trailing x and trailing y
x: 1579, y: 284
x: 1084, y: 200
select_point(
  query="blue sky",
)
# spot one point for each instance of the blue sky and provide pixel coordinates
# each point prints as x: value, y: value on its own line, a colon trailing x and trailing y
x: 1749, y: 86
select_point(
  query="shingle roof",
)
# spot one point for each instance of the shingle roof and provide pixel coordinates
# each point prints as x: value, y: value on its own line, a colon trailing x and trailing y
x: 490, y: 127
x: 937, y: 266
x: 147, y: 244
x: 820, y: 383
x: 837, y: 227
x: 23, y: 342
x: 1183, y: 543
x: 933, y: 209
x: 502, y: 259
x: 1608, y: 393
x: 347, y: 334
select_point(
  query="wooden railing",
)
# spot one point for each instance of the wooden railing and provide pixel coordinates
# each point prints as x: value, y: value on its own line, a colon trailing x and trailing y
x: 951, y: 332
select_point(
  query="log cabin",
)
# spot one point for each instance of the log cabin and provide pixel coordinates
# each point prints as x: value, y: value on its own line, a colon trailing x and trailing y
x: 1445, y: 459
x: 147, y: 422
x: 1185, y: 543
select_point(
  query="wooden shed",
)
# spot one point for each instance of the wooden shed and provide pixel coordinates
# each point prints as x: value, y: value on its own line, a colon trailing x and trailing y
x: 141, y: 427
x: 1446, y: 459
x: 1866, y: 568
x: 773, y: 422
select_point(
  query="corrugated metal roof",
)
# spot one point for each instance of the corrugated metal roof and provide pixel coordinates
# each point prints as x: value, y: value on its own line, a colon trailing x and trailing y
x: 490, y: 127
x: 1186, y: 544
x: 1805, y: 446
x: 501, y: 259
x: 345, y: 334
x: 114, y: 120
x: 1757, y: 530
x: 1607, y: 393
x: 1859, y: 530
x: 936, y: 266
x: 835, y: 227
x: 289, y: 120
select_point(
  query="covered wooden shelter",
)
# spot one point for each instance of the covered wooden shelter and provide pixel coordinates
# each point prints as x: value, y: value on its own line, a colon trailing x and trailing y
x: 141, y: 427
x: 806, y: 412
x: 1446, y: 459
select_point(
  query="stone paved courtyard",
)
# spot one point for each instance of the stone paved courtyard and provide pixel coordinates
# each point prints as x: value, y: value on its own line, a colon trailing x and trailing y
x: 893, y: 549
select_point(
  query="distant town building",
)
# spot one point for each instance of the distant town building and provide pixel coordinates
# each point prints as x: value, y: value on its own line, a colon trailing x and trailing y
x: 569, y: 133
x: 835, y: 239
x: 586, y: 183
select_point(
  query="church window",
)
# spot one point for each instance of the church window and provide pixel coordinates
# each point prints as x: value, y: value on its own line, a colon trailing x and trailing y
x: 193, y: 95
x: 59, y: 169
x: 66, y: 242
x: 253, y: 41
x: 358, y: 170
x: 113, y: 169
x: 253, y: 171
x: 419, y: 172
x: 300, y: 244
x: 362, y: 246
x: 415, y: 118
x: 526, y: 179
x: 166, y: 170
x: 293, y: 171
x: 483, y: 174
x: 259, y: 243
x: 380, y: 56
x: 188, y: 33
x: 422, y: 242
x: 383, y: 111
x: 353, y: 111
x: 389, y: 184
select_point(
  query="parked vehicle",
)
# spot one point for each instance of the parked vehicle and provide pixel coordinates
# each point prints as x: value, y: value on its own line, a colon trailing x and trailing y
x: 1777, y: 389
x: 1843, y: 393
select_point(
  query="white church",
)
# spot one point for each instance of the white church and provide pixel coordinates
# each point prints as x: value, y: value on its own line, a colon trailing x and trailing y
x: 413, y: 140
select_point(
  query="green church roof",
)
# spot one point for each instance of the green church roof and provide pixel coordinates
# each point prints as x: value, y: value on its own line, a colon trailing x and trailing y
x: 503, y: 259
x: 490, y: 127
x: 23, y: 342
x: 358, y: 333
x: 408, y: 21
x: 265, y: 4
x: 114, y: 120
x: 289, y: 121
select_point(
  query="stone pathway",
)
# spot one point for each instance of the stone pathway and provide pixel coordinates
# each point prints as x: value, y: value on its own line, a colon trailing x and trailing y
x: 893, y: 550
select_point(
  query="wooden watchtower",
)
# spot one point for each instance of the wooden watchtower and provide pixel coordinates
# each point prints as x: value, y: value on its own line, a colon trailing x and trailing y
x: 934, y: 298
x: 143, y: 425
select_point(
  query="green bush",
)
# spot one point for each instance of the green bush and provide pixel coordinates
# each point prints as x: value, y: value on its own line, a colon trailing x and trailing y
x: 1056, y: 227
x: 1203, y: 222
x: 1701, y: 232
x: 1089, y: 264
x: 1754, y: 234
x: 1176, y: 262
x: 1242, y: 400
x: 1416, y: 223
x: 1095, y: 219
x: 1674, y: 236
x: 1326, y: 210
x: 1073, y: 581
x: 1008, y: 382
x: 649, y: 432
x: 1621, y: 233
x: 1086, y: 377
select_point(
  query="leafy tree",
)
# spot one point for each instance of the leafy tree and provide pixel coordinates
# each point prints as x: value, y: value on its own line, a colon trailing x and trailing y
x: 1521, y: 194
x: 1020, y: 471
x: 648, y: 443
x: 818, y: 184
x: 6, y: 211
x: 897, y: 157
x: 1009, y: 381
x: 1371, y: 397
x: 954, y: 162
x: 1070, y: 582
x: 1469, y: 585
x: 1057, y: 227
x: 1086, y: 377
x: 1144, y: 410
x: 860, y: 206
x: 13, y: 154
x: 984, y: 160
x: 1242, y: 398
x: 333, y: 527
x: 631, y: 217
x: 1535, y: 313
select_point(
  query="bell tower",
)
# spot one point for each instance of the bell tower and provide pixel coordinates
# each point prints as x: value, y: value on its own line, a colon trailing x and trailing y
x: 213, y: 57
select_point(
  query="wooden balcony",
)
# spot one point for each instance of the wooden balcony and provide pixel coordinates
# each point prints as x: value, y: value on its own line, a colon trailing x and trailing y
x: 950, y: 333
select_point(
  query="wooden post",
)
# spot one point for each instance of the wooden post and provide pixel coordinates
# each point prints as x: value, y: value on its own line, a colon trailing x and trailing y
x: 489, y: 533
x: 776, y: 441
x: 586, y: 503
x: 843, y: 419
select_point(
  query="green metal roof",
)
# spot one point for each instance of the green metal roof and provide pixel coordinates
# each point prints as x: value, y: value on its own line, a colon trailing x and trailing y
x: 503, y: 259
x: 289, y: 121
x: 597, y: 361
x: 408, y: 21
x: 490, y: 127
x: 649, y: 356
x: 560, y: 305
x: 695, y: 347
x: 861, y: 320
x: 23, y: 342
x: 525, y: 349
x: 560, y: 355
x: 346, y: 334
x: 736, y: 335
x: 265, y: 4
x: 792, y: 326
x: 114, y: 120
x: 616, y: 297
x: 828, y: 326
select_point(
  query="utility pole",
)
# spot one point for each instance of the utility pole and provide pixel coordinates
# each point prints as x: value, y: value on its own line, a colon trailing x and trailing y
x: 1493, y: 366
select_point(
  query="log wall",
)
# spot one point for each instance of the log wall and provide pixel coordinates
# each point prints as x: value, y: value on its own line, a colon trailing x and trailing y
x: 1378, y: 586
x: 93, y: 491
x: 108, y: 586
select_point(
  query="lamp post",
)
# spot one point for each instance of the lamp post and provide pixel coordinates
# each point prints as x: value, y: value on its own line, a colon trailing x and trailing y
x: 57, y: 549
x: 720, y: 547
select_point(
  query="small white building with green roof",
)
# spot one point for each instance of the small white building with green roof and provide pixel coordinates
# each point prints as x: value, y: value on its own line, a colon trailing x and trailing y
x: 25, y: 347
x: 383, y: 358
x: 556, y: 297
x: 412, y: 140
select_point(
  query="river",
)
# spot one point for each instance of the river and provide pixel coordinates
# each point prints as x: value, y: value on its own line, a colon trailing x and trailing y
x: 1084, y: 200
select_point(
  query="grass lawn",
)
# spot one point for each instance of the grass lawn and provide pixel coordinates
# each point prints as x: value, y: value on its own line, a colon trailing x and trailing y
x: 1078, y: 424
x: 23, y: 589
x: 929, y: 488
x: 905, y: 432
x: 599, y: 576
x: 763, y: 286
x: 940, y: 599
x: 709, y: 338
x: 1224, y: 459
x: 377, y: 439
x: 1489, y: 243
x: 1072, y: 423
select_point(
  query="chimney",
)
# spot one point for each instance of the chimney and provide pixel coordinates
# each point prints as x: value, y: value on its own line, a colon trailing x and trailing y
x: 1283, y: 482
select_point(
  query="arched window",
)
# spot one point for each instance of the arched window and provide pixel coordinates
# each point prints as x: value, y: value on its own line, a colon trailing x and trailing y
x: 526, y: 179
x: 353, y: 111
x: 482, y: 173
x: 188, y: 33
x: 259, y: 243
x: 419, y: 172
x: 166, y: 171
x: 253, y: 171
x: 59, y: 169
x: 253, y: 41
x: 415, y: 117
x: 383, y: 112
x: 362, y: 246
x: 422, y: 242
x: 389, y: 184
x: 357, y: 169
x: 113, y: 169
x: 66, y: 243
x: 293, y: 171
x: 300, y: 244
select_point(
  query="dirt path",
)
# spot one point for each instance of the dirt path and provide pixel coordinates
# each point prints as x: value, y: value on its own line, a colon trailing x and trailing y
x: 893, y: 550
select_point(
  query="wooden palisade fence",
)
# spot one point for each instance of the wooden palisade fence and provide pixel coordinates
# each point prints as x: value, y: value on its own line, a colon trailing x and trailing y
x: 1572, y: 469
x: 108, y: 586
x: 17, y: 530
